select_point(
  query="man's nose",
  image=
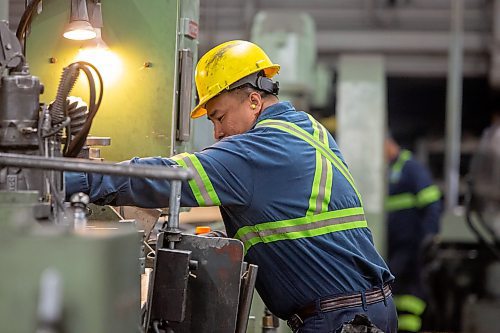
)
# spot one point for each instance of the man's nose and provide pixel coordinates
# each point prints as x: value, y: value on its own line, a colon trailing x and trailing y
x: 218, y: 132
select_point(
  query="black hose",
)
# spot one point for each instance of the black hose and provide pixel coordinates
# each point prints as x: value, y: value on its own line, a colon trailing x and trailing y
x: 25, y: 22
x: 68, y: 79
x: 79, y: 140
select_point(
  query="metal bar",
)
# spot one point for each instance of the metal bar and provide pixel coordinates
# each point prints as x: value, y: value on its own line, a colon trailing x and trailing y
x: 454, y: 105
x: 246, y: 298
x: 71, y: 164
x: 185, y: 98
x: 174, y: 208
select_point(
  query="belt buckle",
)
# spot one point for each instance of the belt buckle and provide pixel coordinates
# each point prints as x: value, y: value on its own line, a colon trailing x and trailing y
x: 295, y: 322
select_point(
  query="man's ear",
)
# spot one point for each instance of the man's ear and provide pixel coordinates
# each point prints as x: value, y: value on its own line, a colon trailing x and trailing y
x: 255, y: 100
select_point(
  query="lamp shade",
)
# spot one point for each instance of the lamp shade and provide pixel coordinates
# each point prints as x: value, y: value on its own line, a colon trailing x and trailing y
x: 79, y: 27
x: 79, y: 30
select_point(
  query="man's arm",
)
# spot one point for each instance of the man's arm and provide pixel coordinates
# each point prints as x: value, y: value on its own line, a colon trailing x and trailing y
x: 223, y: 176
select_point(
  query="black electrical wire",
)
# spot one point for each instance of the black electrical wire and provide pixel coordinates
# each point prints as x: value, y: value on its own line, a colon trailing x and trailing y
x: 25, y: 22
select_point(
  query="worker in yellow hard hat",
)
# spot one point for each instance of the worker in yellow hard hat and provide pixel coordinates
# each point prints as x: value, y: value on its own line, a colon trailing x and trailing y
x: 284, y: 191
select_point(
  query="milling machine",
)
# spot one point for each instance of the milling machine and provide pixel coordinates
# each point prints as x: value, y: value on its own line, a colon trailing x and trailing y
x: 66, y: 271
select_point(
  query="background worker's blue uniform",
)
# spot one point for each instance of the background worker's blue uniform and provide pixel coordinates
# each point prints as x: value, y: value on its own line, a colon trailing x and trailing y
x: 414, y: 208
x: 298, y: 216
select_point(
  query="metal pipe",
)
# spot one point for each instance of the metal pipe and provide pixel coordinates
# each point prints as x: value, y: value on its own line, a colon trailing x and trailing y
x: 173, y: 209
x: 71, y: 164
x: 454, y: 105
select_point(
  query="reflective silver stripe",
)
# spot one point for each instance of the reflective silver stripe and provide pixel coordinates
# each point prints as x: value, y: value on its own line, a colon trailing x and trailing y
x: 322, y: 185
x: 322, y: 148
x: 302, y: 227
x: 319, y: 187
x: 199, y: 182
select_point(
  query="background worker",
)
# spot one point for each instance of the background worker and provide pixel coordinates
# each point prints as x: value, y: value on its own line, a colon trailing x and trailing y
x: 283, y: 190
x: 414, y: 209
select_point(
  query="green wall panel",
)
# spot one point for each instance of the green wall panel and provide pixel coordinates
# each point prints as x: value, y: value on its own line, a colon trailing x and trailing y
x: 138, y: 106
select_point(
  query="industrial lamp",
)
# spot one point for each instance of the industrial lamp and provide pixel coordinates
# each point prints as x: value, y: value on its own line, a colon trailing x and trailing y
x: 79, y: 27
x: 96, y: 20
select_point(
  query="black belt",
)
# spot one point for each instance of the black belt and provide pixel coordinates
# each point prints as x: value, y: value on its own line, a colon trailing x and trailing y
x: 337, y: 302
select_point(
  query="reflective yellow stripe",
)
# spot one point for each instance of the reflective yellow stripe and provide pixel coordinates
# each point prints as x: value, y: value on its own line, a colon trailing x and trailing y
x: 326, y: 182
x: 428, y: 195
x: 423, y: 198
x: 201, y: 185
x: 318, y: 173
x: 308, y: 226
x: 410, y: 323
x: 320, y: 186
x: 400, y: 201
x: 404, y: 156
x: 323, y: 149
x: 409, y: 303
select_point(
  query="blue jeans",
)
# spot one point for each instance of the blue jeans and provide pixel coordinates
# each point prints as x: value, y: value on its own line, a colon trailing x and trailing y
x: 382, y: 314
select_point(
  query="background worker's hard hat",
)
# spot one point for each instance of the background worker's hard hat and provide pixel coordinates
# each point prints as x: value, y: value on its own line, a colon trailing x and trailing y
x: 226, y: 64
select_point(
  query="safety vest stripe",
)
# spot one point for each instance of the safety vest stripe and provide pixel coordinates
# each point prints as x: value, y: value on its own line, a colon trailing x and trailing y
x: 408, y: 200
x: 322, y: 185
x: 409, y: 323
x: 307, y: 226
x: 428, y: 195
x: 400, y: 201
x: 201, y: 186
x: 299, y: 220
x: 325, y: 184
x: 302, y: 134
x: 302, y: 227
x: 327, y: 188
x: 409, y: 303
x: 404, y: 156
x: 310, y: 230
x: 317, y: 190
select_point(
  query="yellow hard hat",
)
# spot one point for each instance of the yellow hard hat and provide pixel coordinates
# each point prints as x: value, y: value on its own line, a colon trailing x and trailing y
x: 224, y: 65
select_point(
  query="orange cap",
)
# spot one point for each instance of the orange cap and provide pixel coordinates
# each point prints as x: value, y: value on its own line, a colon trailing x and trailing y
x: 202, y: 230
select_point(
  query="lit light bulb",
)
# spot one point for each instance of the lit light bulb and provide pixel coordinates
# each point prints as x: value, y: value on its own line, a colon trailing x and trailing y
x: 106, y: 61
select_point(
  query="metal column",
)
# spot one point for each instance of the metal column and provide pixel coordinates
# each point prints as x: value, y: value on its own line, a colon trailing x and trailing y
x: 4, y: 10
x: 454, y: 105
x: 362, y: 118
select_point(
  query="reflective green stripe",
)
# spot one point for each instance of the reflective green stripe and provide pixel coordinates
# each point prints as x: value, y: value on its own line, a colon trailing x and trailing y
x: 428, y: 195
x: 400, y: 201
x: 409, y: 303
x: 325, y: 150
x: 201, y: 186
x: 404, y: 156
x: 410, y: 323
x: 325, y: 189
x: 307, y: 226
x: 321, y: 188
x: 314, y: 206
x: 423, y: 198
x: 328, y: 187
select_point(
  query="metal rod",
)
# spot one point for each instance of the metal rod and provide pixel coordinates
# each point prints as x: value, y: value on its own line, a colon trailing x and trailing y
x: 454, y: 105
x: 246, y: 298
x: 174, y: 208
x: 71, y: 164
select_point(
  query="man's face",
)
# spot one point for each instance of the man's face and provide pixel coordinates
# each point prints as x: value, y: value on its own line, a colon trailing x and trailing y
x: 231, y: 114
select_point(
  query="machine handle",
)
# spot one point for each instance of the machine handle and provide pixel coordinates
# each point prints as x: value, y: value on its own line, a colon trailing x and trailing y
x: 185, y: 95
